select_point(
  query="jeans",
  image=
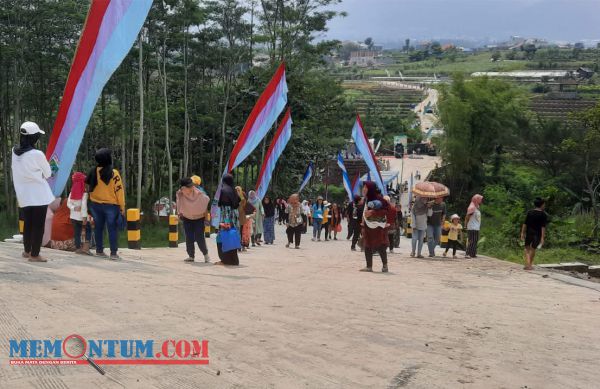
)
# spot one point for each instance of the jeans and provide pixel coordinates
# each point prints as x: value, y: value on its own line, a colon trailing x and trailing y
x: 317, y: 228
x: 105, y: 215
x: 194, y: 233
x: 34, y: 223
x: 77, y: 227
x: 417, y: 240
x: 434, y: 234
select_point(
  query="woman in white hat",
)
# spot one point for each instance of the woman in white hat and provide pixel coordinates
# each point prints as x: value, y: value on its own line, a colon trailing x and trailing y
x: 30, y: 170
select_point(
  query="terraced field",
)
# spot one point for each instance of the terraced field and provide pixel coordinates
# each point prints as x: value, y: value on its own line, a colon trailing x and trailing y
x: 559, y: 109
x: 371, y: 97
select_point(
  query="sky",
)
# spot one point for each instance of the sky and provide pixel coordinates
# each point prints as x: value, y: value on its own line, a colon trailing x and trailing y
x: 395, y: 20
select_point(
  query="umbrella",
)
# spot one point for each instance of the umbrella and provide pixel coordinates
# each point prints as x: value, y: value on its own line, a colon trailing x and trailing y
x: 431, y: 189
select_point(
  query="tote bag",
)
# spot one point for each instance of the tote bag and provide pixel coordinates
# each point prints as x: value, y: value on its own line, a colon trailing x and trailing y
x: 230, y: 240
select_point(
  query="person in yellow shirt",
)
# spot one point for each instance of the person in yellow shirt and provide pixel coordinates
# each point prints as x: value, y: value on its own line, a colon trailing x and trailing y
x: 326, y: 223
x: 107, y: 201
x: 454, y: 232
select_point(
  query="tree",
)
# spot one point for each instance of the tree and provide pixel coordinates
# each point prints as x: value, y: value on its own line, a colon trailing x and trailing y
x: 496, y: 56
x: 478, y: 116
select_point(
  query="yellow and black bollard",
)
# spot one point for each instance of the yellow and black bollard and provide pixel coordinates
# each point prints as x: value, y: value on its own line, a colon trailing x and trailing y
x: 173, y: 234
x: 409, y: 227
x: 134, y: 235
x: 21, y: 221
x: 444, y: 237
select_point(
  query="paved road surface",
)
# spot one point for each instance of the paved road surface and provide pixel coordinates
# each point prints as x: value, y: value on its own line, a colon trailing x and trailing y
x: 305, y: 319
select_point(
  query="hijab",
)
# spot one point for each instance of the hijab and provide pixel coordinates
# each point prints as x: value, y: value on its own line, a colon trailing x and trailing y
x: 253, y: 198
x: 475, y: 203
x: 268, y: 206
x: 228, y: 196
x: 78, y: 188
x: 373, y: 194
x: 26, y: 143
x: 104, y: 162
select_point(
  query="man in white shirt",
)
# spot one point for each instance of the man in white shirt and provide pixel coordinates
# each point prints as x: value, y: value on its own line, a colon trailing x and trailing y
x: 30, y: 170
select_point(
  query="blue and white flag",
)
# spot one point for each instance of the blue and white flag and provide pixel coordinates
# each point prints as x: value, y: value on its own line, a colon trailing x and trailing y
x: 345, y: 178
x: 364, y: 147
x: 307, y: 175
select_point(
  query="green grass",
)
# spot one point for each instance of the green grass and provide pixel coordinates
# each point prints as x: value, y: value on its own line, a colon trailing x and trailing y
x: 550, y: 255
x: 465, y: 64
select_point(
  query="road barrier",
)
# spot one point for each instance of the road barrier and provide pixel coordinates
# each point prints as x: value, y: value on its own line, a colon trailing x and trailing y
x: 134, y: 234
x: 173, y: 234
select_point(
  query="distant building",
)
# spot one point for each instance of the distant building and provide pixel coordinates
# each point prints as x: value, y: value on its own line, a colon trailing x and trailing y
x: 585, y: 72
x: 362, y: 58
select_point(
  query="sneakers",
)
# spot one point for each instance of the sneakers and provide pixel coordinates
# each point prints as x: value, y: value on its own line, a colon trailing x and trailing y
x: 420, y: 256
x: 412, y: 255
x: 37, y: 259
x: 391, y: 251
x: 431, y: 255
x: 454, y: 257
x: 101, y: 255
x: 353, y: 248
x: 443, y: 254
x: 114, y: 257
x: 188, y: 259
x: 206, y: 258
x: 366, y: 269
x: 384, y: 269
x: 297, y: 247
x: 24, y: 254
x: 313, y: 239
x: 287, y: 246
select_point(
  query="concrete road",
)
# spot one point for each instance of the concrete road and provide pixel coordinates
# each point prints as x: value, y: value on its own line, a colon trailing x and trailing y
x: 305, y: 319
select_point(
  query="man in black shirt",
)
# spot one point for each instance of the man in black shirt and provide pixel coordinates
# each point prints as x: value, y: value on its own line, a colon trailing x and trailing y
x: 533, y: 231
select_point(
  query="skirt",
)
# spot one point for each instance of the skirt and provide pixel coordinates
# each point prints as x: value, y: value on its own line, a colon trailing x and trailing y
x: 269, y: 226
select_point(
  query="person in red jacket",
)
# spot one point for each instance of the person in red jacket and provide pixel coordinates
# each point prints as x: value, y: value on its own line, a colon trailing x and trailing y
x: 374, y: 222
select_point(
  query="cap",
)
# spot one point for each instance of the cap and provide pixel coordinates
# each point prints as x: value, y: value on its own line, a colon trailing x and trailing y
x: 196, y: 180
x: 30, y: 128
x: 455, y: 216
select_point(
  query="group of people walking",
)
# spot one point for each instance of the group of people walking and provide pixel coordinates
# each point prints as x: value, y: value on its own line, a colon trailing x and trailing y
x: 373, y: 220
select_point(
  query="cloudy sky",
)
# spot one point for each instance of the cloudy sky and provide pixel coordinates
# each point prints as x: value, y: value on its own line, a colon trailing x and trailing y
x: 394, y: 20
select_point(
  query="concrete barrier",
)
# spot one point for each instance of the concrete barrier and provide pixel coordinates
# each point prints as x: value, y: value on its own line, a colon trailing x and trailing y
x: 134, y: 234
x: 173, y: 233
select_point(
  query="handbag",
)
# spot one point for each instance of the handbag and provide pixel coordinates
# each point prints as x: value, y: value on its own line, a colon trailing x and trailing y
x: 230, y: 239
x: 338, y: 228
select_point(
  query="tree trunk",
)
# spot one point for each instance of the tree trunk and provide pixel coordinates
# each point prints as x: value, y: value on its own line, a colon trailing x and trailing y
x: 141, y: 131
x: 167, y: 133
x: 224, y: 124
x: 186, y: 124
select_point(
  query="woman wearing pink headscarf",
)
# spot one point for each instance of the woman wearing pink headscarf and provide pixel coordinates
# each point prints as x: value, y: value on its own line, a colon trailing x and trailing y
x: 77, y: 204
x: 473, y: 222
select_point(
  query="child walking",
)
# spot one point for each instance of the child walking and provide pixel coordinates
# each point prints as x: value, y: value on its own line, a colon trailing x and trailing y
x: 77, y: 204
x: 454, y: 232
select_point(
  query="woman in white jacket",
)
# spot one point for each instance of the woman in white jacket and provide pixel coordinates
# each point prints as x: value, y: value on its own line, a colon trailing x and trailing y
x: 30, y: 170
